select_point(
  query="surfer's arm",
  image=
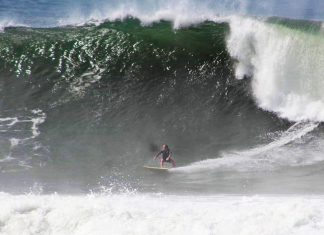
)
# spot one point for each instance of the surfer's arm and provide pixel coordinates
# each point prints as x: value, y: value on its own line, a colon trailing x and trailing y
x: 159, y: 153
x: 170, y: 156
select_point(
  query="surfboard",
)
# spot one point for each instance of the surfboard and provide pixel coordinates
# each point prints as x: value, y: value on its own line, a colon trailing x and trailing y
x: 156, y: 169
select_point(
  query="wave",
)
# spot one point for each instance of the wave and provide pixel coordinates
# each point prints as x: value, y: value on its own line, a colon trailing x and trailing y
x: 83, y: 55
x: 282, y: 57
x: 203, y: 88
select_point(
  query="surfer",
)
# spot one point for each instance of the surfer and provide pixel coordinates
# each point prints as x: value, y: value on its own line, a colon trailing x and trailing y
x: 166, y: 156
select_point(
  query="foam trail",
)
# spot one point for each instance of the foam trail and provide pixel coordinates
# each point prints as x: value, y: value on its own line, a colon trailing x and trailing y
x: 286, y: 66
x: 265, y: 157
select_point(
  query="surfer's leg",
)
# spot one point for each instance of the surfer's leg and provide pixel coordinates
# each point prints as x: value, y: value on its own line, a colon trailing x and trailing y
x: 173, y: 162
x: 161, y: 163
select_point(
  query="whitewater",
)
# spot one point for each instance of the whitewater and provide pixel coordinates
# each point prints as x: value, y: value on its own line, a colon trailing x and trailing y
x: 90, y: 90
x: 145, y: 214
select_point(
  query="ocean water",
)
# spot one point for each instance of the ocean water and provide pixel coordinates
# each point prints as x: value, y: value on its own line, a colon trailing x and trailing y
x: 90, y: 90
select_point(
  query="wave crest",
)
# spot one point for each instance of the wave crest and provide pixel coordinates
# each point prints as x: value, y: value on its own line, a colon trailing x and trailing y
x: 286, y: 66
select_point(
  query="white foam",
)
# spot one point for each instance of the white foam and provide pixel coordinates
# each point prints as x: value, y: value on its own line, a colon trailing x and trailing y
x: 153, y: 214
x: 14, y: 142
x: 8, y: 121
x: 7, y: 158
x: 286, y: 67
x: 37, y: 121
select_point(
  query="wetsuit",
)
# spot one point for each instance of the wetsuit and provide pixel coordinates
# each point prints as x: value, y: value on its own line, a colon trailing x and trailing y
x: 165, y: 155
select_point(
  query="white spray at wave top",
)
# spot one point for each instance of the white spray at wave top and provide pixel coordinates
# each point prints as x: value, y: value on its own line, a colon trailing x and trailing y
x: 286, y: 67
x: 47, y: 13
x: 187, y: 11
x: 181, y: 13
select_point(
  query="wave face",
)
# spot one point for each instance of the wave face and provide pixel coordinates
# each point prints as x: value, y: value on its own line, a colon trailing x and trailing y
x: 138, y: 86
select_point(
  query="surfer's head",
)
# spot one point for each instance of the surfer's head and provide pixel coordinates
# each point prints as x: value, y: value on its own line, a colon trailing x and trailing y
x: 165, y: 147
